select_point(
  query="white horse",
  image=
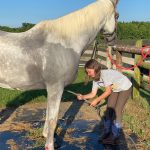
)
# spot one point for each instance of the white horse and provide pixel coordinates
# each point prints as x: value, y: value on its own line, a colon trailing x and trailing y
x: 47, y: 56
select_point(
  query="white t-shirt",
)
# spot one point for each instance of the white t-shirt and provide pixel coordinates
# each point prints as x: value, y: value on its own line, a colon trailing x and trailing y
x: 117, y: 80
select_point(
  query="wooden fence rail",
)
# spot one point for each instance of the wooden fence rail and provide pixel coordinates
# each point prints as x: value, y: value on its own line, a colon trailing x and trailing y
x: 127, y: 59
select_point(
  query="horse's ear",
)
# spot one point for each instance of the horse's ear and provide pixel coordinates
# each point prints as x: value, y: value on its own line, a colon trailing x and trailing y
x: 115, y: 2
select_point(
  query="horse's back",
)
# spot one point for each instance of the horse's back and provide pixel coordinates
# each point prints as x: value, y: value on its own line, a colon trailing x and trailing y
x: 18, y: 67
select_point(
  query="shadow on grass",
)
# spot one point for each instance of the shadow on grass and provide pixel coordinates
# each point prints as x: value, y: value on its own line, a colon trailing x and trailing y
x: 77, y: 88
x: 22, y: 99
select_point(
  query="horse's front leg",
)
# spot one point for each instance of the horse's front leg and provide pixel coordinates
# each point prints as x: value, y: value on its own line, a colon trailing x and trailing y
x: 54, y: 96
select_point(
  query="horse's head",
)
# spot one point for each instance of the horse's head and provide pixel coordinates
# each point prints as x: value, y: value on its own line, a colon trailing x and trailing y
x: 110, y: 27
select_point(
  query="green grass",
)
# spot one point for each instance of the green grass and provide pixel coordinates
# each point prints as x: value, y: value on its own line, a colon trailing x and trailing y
x: 14, y: 98
x: 137, y: 119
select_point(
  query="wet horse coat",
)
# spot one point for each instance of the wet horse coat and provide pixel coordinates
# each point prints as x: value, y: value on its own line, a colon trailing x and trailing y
x: 47, y: 56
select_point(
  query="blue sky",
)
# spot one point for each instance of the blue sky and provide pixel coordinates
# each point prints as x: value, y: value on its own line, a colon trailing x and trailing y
x: 15, y: 12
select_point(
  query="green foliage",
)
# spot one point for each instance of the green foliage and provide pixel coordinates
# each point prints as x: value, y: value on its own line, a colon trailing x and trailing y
x: 131, y: 30
x: 24, y: 27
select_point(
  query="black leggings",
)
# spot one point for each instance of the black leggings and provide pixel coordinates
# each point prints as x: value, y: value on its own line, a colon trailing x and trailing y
x: 117, y: 100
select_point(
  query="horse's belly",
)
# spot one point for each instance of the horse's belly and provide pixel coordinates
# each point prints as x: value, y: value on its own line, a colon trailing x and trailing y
x: 6, y: 86
x: 23, y: 86
x: 23, y: 78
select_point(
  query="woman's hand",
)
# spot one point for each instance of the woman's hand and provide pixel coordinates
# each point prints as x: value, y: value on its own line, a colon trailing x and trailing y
x: 107, y: 92
x: 94, y: 103
x: 79, y: 96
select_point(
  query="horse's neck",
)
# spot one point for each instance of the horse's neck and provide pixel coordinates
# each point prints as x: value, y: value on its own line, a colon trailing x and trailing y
x: 89, y: 27
x: 81, y: 27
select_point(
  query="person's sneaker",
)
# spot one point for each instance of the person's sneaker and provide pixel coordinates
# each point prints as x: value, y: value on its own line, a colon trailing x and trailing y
x: 111, y: 140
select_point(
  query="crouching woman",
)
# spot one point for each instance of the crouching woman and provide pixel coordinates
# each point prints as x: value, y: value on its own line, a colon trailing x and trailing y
x: 117, y: 89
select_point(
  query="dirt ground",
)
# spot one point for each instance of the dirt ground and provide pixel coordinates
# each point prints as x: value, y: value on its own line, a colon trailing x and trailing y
x: 79, y: 127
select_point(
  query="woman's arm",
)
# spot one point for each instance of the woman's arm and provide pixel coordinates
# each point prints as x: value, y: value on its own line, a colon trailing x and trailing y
x: 107, y: 92
x: 87, y: 96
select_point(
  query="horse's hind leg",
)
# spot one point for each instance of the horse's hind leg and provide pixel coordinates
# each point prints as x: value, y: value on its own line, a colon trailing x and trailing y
x: 54, y: 96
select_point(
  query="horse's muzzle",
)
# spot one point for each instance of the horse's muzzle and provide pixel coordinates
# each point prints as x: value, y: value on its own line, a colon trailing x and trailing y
x: 110, y: 38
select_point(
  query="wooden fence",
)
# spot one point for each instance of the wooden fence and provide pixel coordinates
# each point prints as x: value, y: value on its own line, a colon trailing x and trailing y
x: 127, y: 59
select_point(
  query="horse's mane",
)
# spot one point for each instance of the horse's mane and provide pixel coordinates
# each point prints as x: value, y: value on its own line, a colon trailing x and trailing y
x: 79, y: 21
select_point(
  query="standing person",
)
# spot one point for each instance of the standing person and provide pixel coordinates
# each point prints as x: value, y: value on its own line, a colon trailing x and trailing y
x: 117, y: 89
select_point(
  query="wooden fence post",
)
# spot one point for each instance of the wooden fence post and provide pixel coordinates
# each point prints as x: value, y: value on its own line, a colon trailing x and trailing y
x: 94, y: 53
x: 119, y: 60
x: 108, y: 61
x: 137, y: 73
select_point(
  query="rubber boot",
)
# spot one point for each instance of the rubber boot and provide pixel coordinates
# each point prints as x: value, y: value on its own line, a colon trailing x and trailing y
x: 113, y: 138
x: 107, y: 129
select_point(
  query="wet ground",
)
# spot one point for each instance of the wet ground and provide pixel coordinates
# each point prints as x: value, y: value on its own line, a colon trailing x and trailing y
x: 78, y: 127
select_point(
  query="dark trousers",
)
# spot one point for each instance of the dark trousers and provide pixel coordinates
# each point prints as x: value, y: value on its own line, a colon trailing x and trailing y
x: 117, y: 101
